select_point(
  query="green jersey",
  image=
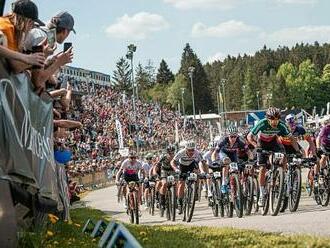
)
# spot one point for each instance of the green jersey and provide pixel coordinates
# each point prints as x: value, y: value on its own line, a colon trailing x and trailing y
x: 267, y: 133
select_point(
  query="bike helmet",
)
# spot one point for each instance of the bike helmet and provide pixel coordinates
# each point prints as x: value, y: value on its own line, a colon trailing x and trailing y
x: 170, y: 148
x: 273, y: 113
x: 190, y: 144
x: 325, y: 120
x: 290, y: 118
x: 232, y: 130
x: 132, y: 154
x: 149, y: 156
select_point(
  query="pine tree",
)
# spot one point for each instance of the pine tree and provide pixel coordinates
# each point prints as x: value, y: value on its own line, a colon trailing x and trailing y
x: 122, y: 75
x: 164, y: 75
x: 202, y: 96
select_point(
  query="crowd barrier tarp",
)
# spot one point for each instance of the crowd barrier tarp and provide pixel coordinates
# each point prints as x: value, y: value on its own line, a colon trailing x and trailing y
x: 26, y: 135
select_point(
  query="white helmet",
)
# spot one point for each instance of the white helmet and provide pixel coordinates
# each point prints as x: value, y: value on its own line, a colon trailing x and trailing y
x: 325, y: 120
x: 190, y: 144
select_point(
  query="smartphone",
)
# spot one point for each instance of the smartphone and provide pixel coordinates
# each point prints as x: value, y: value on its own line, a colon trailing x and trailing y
x: 37, y: 49
x: 66, y: 46
x: 51, y: 37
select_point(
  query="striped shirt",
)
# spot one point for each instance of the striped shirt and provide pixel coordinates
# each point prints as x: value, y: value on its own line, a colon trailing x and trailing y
x: 182, y: 158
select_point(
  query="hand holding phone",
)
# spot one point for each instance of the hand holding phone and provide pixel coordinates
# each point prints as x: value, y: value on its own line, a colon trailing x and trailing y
x: 67, y: 46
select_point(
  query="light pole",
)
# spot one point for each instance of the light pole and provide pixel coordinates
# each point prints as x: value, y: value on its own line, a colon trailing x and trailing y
x: 258, y: 99
x: 244, y: 99
x: 269, y: 98
x: 182, y: 102
x: 191, y: 70
x: 129, y: 55
x: 223, y: 81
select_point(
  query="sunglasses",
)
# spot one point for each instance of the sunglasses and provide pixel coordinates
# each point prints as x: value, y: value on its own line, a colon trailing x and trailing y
x: 232, y: 136
x: 132, y: 157
x: 273, y: 118
x: 149, y: 158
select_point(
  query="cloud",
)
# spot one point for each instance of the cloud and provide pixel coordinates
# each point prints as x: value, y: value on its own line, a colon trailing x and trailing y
x: 290, y: 36
x: 296, y: 1
x: 203, y: 4
x: 136, y: 27
x: 230, y: 28
x: 218, y: 56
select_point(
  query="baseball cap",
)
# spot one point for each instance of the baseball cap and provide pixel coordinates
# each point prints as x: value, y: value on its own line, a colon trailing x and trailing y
x: 27, y: 9
x: 64, y: 20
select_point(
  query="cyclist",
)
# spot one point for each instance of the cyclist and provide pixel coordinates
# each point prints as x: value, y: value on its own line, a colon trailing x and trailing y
x: 322, y: 145
x: 185, y: 161
x: 300, y: 133
x: 207, y: 163
x: 227, y: 151
x: 267, y: 131
x: 147, y: 169
x: 163, y: 169
x: 130, y: 168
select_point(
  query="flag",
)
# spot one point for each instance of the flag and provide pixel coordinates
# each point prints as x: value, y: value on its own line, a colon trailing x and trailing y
x: 119, y: 134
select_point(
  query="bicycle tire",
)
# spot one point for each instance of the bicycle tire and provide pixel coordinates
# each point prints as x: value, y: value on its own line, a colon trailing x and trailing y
x: 294, y: 199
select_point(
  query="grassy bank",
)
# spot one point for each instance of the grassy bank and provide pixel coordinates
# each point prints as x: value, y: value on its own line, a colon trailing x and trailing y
x: 65, y: 234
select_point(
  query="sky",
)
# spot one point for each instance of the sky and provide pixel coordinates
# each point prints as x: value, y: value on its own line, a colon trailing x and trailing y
x: 161, y: 28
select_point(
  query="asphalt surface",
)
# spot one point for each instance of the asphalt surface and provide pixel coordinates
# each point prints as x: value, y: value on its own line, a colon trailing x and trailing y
x: 309, y: 218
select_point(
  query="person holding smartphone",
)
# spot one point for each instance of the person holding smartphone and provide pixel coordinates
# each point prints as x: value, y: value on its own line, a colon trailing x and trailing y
x: 13, y: 28
x: 56, y: 31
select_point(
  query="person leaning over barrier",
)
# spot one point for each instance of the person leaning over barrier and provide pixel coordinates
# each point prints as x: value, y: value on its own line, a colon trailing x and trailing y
x: 61, y: 24
x: 13, y: 28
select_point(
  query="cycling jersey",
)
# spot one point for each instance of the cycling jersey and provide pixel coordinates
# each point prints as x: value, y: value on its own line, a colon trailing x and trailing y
x: 146, y: 167
x: 164, y: 163
x: 231, y: 151
x: 208, y: 157
x: 324, y: 136
x: 297, y: 132
x: 128, y: 167
x: 182, y: 158
x: 267, y: 133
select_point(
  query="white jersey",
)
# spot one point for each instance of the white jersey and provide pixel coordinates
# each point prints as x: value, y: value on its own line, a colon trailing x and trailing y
x: 182, y: 158
x: 146, y: 168
x: 208, y: 157
x: 131, y: 168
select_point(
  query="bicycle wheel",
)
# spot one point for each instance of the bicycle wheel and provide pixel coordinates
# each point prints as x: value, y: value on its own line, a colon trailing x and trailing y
x: 152, y: 201
x: 248, y: 195
x: 236, y: 194
x: 130, y: 208
x: 215, y: 193
x: 168, y: 203
x: 265, y: 208
x: 295, y: 194
x: 255, y: 195
x: 276, y: 191
x: 324, y: 190
x: 136, y: 207
x: 173, y: 200
x: 191, y: 200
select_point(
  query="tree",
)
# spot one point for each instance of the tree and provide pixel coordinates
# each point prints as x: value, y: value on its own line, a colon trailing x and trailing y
x: 150, y: 70
x: 174, y: 92
x: 141, y: 78
x: 203, y: 100
x: 164, y: 75
x: 122, y: 75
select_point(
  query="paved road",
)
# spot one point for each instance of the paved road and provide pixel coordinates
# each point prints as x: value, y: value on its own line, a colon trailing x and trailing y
x: 309, y: 219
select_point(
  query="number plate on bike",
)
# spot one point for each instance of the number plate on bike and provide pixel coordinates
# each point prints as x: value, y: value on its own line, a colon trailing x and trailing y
x: 192, y: 177
x: 249, y: 166
x: 170, y: 179
x: 151, y: 183
x: 233, y: 167
x: 278, y: 155
x: 217, y: 174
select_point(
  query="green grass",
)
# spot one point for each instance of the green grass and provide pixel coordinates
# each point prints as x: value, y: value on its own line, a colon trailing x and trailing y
x: 70, y: 235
